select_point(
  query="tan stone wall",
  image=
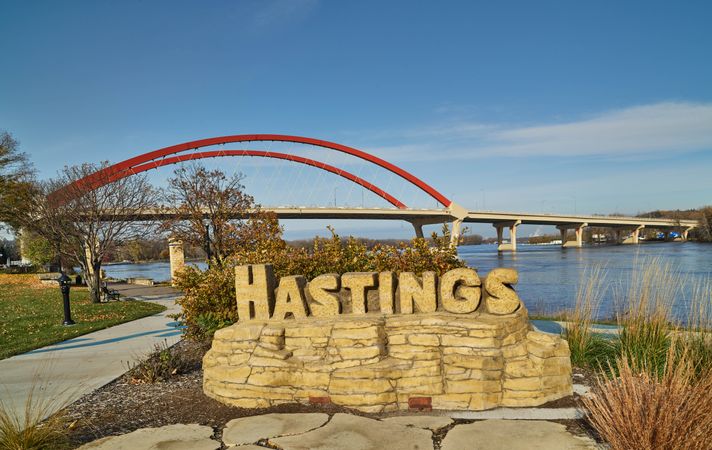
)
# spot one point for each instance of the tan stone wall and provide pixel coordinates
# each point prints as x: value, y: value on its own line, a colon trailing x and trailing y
x: 376, y: 362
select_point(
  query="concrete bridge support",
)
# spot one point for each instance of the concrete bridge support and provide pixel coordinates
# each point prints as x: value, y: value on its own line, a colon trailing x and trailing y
x: 634, y: 237
x: 685, y: 233
x: 500, y: 226
x: 177, y: 257
x: 418, y: 226
x: 578, y: 230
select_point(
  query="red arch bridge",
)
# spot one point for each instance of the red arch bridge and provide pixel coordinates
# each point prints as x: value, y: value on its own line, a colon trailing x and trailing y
x: 627, y: 228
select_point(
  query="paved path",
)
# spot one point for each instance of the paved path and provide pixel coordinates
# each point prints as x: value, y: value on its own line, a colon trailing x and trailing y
x: 66, y: 371
x: 310, y: 431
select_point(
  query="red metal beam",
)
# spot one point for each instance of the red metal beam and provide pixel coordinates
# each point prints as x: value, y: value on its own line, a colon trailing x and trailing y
x: 194, y: 145
x: 261, y: 154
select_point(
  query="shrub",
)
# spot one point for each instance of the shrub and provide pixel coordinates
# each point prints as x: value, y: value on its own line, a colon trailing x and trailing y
x: 209, y: 300
x: 653, y: 411
x: 160, y: 365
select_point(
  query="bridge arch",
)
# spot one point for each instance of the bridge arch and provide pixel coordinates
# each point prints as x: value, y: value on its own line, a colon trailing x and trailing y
x: 124, y: 168
x: 263, y: 154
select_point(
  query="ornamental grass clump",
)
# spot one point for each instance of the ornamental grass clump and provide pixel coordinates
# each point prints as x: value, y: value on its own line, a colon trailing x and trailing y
x: 587, y: 348
x: 31, y: 429
x: 647, y: 409
x: 646, y: 322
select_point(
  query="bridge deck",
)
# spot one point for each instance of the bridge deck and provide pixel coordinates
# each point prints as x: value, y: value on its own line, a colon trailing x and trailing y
x: 425, y: 216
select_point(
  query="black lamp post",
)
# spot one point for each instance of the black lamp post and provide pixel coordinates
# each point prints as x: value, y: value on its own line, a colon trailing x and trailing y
x: 207, y: 243
x: 64, y: 282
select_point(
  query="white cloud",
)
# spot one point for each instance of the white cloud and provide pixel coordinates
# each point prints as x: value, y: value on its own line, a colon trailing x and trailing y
x: 635, y: 131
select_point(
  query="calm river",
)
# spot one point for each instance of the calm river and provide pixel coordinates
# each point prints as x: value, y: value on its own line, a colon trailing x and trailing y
x: 548, y: 275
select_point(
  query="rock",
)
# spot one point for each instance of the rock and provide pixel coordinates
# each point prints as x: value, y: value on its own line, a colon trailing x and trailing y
x: 513, y: 435
x: 347, y: 432
x: 248, y: 430
x: 376, y: 362
x: 425, y: 422
x: 171, y: 437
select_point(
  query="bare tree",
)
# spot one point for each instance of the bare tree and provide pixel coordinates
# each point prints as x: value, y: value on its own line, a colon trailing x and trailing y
x: 85, y: 220
x: 213, y: 211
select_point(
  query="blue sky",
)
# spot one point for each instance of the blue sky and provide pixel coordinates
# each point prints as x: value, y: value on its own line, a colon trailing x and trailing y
x: 525, y: 106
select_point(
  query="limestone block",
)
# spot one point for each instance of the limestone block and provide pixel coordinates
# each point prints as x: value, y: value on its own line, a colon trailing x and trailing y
x: 523, y: 367
x: 325, y: 303
x: 358, y: 283
x: 370, y: 332
x: 473, y: 386
x: 414, y: 352
x: 361, y: 352
x: 313, y: 379
x: 241, y: 333
x: 421, y: 385
x: 459, y: 290
x: 501, y: 298
x: 308, y: 331
x: 452, y: 401
x: 236, y: 359
x: 268, y: 353
x: 430, y: 340
x: 469, y: 342
x: 479, y: 402
x: 359, y: 386
x: 363, y: 399
x: 414, y: 295
x: 229, y: 374
x: 290, y: 298
x: 254, y: 291
x: 482, y: 361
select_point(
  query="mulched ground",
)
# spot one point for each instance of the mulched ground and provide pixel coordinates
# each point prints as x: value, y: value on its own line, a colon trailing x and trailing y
x: 126, y: 405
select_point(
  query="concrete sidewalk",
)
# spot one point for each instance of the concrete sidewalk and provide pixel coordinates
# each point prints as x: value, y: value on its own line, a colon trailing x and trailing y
x: 66, y: 371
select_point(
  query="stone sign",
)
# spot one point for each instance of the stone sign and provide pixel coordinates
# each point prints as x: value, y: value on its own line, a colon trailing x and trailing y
x: 379, y: 342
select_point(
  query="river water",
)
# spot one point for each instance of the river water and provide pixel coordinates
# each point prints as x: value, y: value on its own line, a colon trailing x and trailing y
x: 548, y: 275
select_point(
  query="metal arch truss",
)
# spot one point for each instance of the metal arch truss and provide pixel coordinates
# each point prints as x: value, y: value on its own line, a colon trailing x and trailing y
x: 158, y: 158
x: 264, y: 154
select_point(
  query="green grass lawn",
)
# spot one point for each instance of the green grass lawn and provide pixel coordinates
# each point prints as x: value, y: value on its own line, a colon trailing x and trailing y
x: 31, y: 314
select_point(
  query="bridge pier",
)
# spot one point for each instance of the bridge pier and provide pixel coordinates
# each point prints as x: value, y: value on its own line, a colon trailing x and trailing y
x: 578, y: 229
x: 177, y: 257
x: 634, y: 238
x: 500, y: 226
x: 685, y: 233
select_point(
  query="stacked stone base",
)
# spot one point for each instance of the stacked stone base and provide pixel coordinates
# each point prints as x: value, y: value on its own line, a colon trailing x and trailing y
x: 377, y: 363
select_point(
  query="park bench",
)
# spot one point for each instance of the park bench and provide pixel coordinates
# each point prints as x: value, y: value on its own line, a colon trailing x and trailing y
x: 109, y: 294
